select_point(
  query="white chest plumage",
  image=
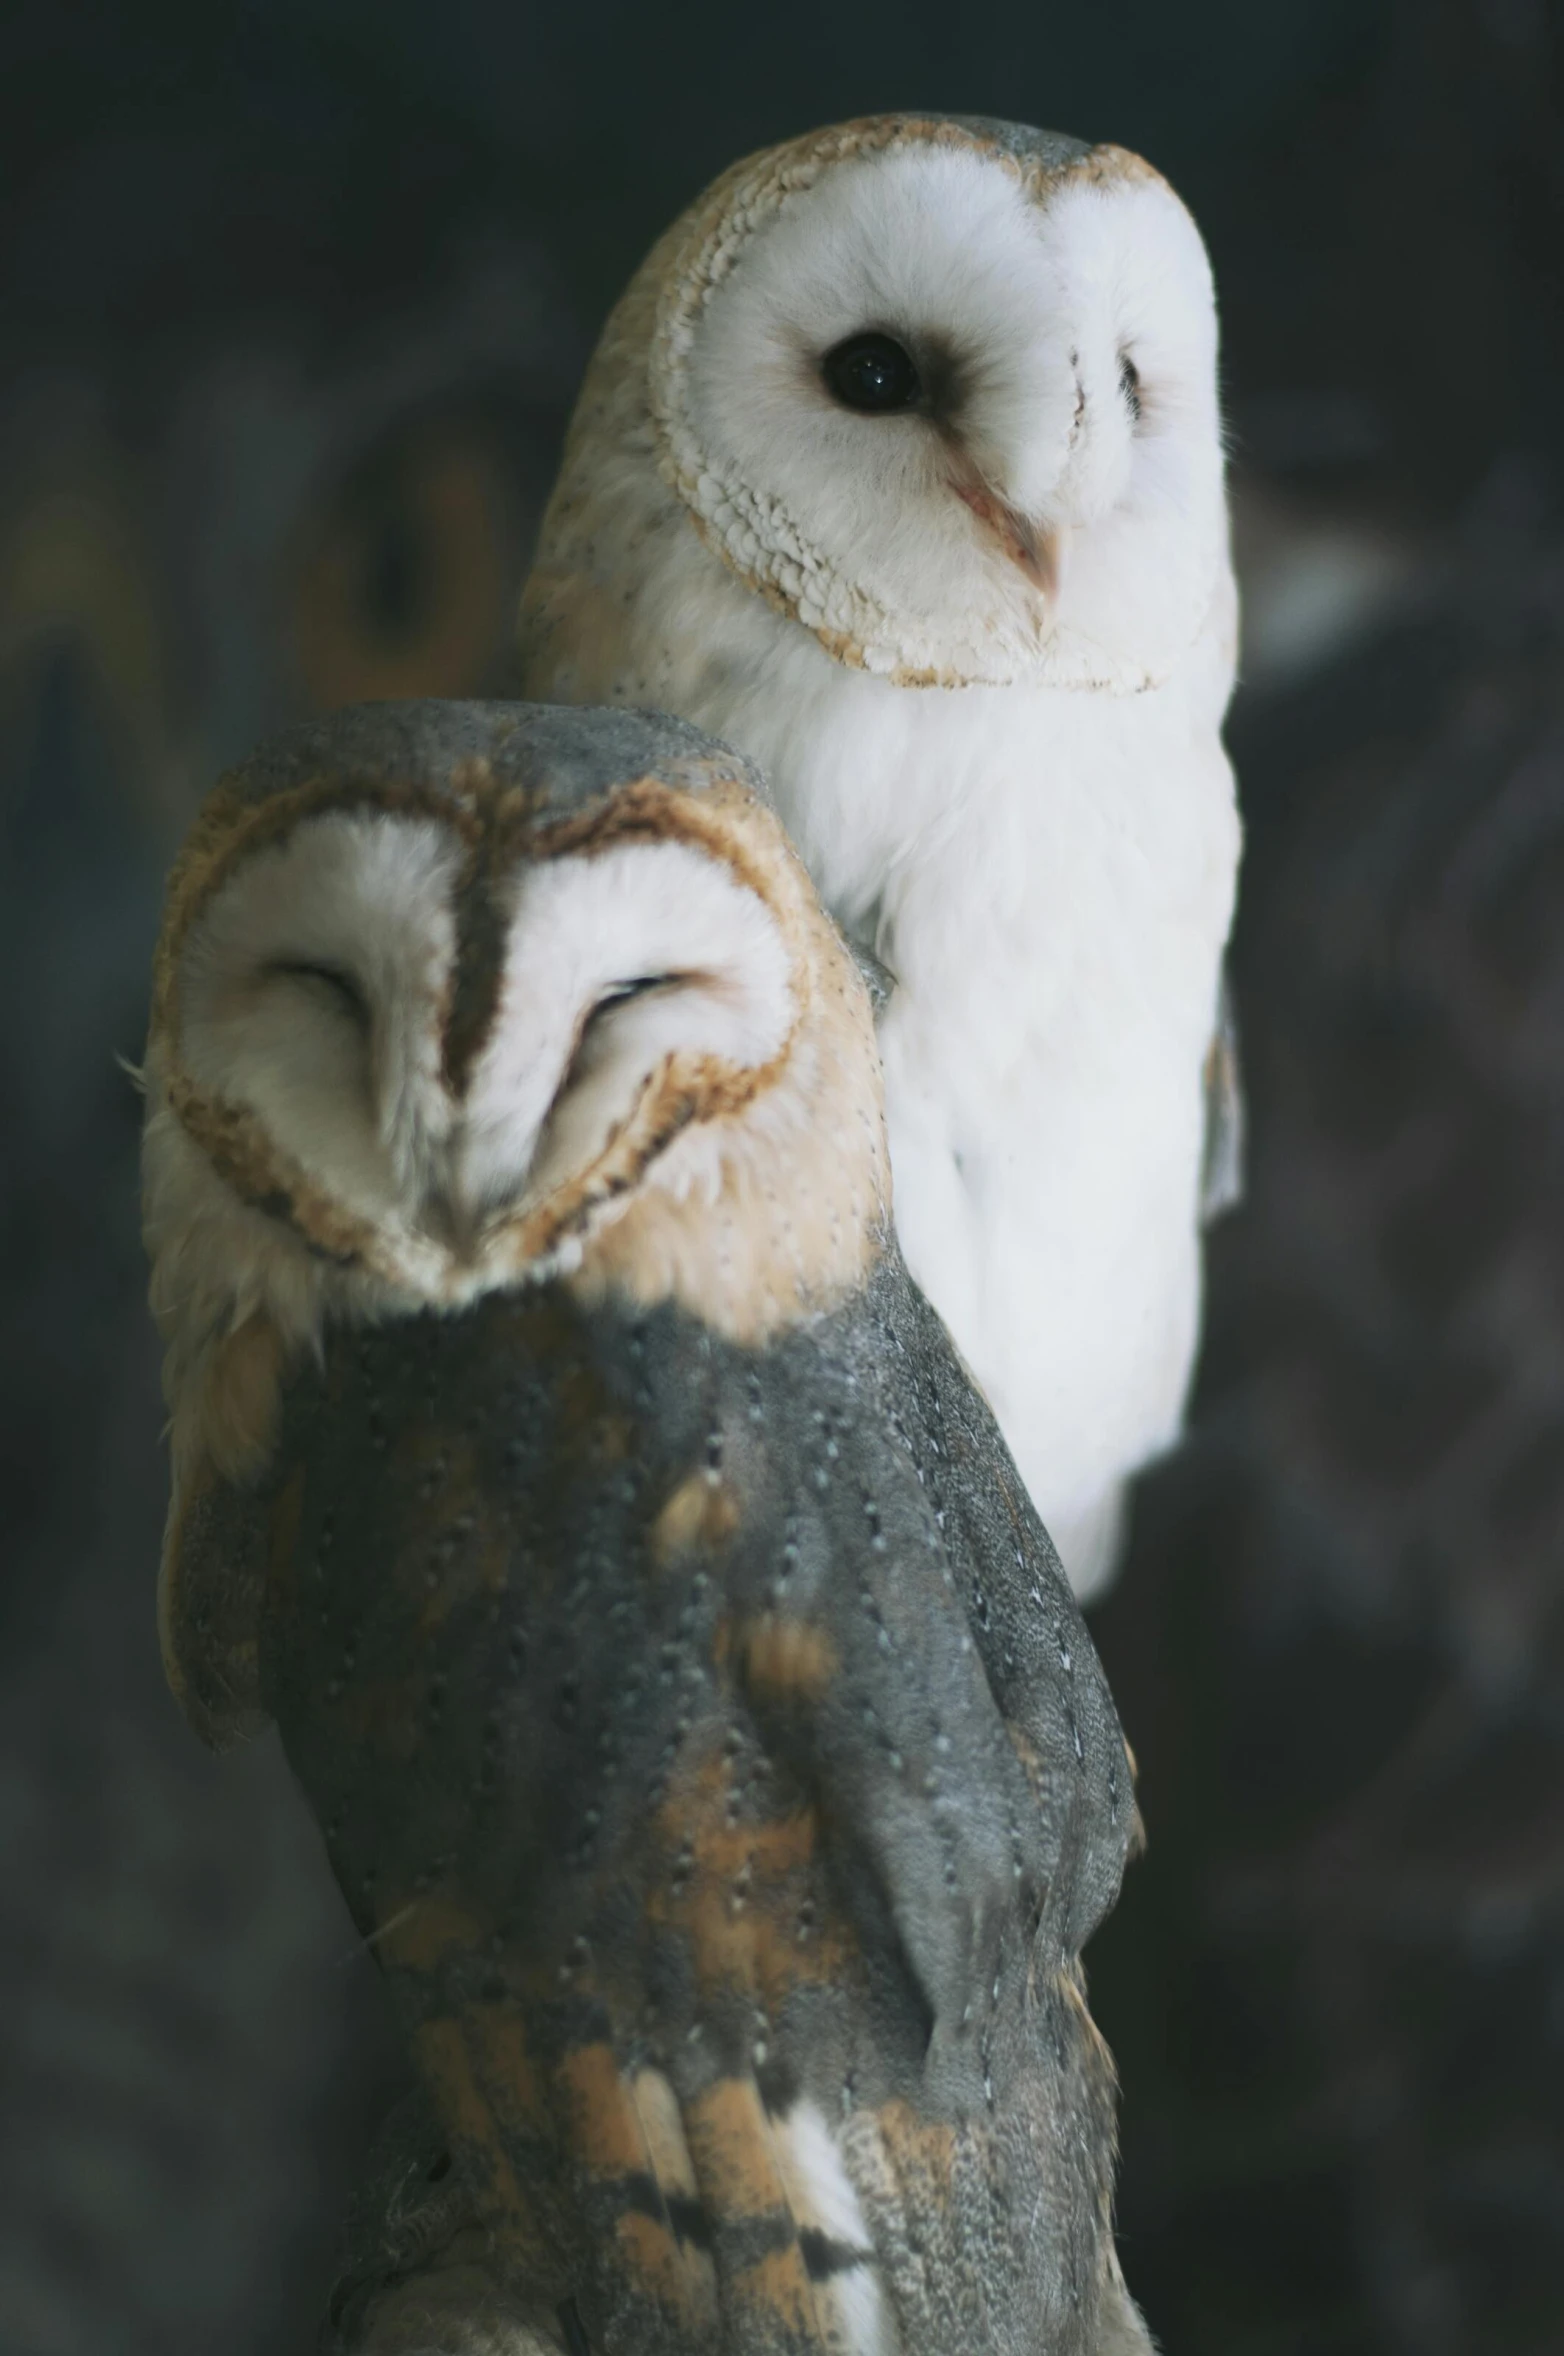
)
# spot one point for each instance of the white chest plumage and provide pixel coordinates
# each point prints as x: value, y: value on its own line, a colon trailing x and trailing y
x: 1050, y: 877
x: 1045, y: 856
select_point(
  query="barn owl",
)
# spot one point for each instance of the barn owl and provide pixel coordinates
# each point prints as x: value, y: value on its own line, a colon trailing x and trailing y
x: 703, y: 1735
x: 899, y: 466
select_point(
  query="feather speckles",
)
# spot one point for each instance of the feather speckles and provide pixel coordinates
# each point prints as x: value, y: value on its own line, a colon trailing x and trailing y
x: 782, y: 1659
x: 742, y: 2025
x: 700, y: 1514
x: 702, y: 1736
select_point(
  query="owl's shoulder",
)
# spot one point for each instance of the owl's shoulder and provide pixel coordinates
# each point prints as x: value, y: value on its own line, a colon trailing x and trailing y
x: 1037, y: 1652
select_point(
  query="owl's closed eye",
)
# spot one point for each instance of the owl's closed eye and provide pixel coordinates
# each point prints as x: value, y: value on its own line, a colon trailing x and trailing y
x: 317, y: 991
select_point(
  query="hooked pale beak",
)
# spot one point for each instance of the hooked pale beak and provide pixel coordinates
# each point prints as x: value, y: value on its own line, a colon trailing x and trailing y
x: 1035, y: 550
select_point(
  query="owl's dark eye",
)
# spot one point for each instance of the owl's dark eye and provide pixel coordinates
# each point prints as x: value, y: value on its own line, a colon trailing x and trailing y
x: 617, y: 992
x: 1129, y: 384
x: 333, y: 983
x: 873, y: 374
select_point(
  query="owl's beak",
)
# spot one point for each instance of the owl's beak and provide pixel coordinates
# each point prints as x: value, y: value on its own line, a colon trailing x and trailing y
x: 1036, y: 548
x: 449, y: 1219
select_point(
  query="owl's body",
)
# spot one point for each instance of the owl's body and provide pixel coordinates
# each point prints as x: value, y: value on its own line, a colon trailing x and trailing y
x: 702, y: 1732
x: 984, y: 666
x: 737, y: 1955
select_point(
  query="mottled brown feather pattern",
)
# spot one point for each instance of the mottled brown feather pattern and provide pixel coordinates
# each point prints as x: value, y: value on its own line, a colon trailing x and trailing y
x: 706, y: 1744
x: 630, y: 1847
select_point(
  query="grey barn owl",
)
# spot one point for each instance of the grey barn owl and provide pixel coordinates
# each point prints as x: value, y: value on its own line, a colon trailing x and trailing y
x: 703, y: 1735
x: 899, y: 466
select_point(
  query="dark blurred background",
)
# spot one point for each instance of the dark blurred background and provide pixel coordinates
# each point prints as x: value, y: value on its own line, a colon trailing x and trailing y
x: 294, y: 299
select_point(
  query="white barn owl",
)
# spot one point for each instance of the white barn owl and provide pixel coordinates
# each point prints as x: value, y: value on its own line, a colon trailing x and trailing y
x: 899, y: 466
x: 704, y: 1738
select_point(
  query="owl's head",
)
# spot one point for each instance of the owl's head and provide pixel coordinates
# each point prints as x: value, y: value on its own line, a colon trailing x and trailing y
x: 455, y: 997
x: 942, y: 391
